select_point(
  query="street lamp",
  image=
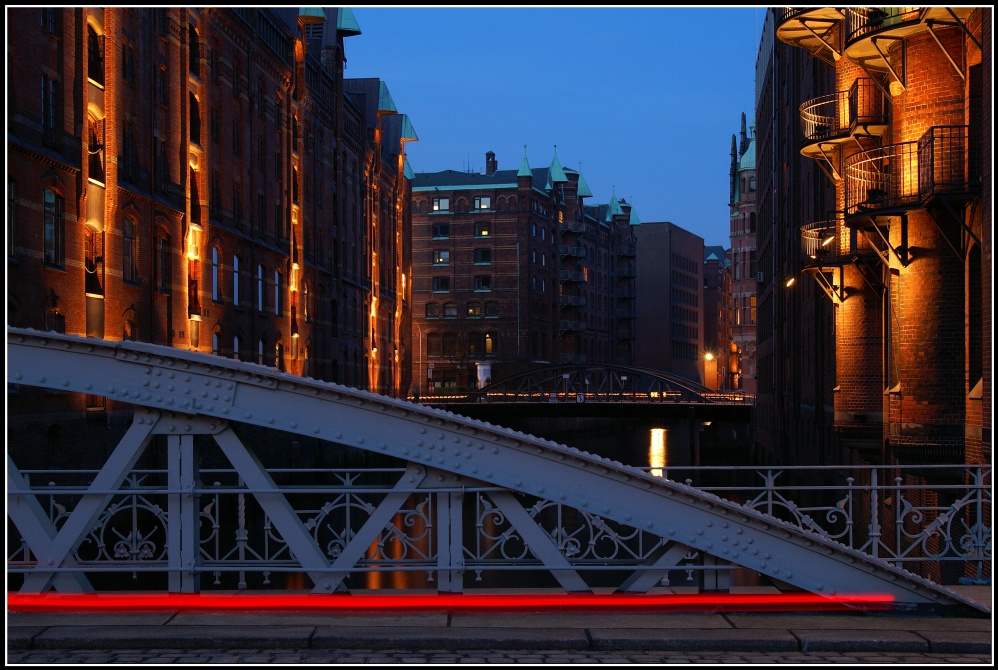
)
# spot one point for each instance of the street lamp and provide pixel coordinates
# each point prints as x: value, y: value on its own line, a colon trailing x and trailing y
x: 419, y: 372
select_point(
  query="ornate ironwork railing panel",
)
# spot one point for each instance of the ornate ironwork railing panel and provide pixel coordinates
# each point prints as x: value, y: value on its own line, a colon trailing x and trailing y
x: 904, y: 515
x: 882, y: 178
x: 948, y: 162
x: 929, y: 519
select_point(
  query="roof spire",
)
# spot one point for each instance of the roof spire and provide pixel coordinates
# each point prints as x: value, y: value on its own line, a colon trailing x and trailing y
x: 524, y: 170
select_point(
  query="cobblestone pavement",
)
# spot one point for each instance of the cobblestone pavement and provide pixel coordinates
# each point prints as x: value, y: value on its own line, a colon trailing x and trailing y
x: 443, y: 657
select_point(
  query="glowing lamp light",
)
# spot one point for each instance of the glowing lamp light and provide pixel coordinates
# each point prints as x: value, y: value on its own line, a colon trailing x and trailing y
x: 709, y: 356
x: 790, y: 281
x: 828, y: 240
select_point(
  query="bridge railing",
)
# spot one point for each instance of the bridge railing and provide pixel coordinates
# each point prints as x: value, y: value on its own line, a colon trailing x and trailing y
x: 931, y: 520
x: 572, y: 396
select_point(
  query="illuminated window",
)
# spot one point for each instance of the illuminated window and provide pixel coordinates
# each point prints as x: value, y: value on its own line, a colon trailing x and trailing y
x: 54, y: 229
x: 441, y: 257
x: 441, y: 204
x: 474, y: 310
x: 490, y: 344
x: 482, y: 229
x: 95, y: 150
x: 483, y: 202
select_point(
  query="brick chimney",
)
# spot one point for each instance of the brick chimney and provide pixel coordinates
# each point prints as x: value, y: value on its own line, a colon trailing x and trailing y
x: 490, y: 163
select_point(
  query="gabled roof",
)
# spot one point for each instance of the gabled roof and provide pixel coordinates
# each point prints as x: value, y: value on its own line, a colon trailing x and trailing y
x: 346, y: 23
x: 524, y: 170
x: 555, y: 173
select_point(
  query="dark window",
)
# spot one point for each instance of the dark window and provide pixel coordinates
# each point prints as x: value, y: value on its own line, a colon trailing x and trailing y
x: 128, y: 63
x: 195, y: 129
x: 483, y: 283
x: 433, y: 345
x: 450, y: 310
x: 483, y: 256
x: 164, y: 267
x: 193, y: 50
x: 130, y: 251
x: 95, y: 56
x: 441, y: 231
x: 54, y: 229
x: 441, y: 283
x: 432, y: 310
x: 492, y: 309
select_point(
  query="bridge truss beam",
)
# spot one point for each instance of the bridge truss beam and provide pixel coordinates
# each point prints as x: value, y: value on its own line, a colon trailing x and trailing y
x: 185, y: 393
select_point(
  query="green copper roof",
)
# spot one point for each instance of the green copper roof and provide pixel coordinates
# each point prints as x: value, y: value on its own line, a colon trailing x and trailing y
x: 555, y: 172
x: 310, y: 14
x: 614, y: 208
x: 584, y: 191
x: 634, y: 218
x: 385, y: 101
x: 524, y: 170
x: 407, y: 170
x: 747, y: 161
x: 345, y: 21
x: 408, y: 132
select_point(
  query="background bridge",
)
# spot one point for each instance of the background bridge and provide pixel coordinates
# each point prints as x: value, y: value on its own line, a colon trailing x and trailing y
x: 468, y: 496
x: 597, y: 390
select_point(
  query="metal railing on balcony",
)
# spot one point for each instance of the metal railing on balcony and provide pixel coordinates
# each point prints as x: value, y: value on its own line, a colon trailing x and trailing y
x: 948, y: 161
x: 839, y: 114
x: 572, y: 250
x: 866, y: 21
x: 573, y: 301
x: 818, y: 241
x: 572, y: 227
x: 627, y: 249
x: 881, y: 179
x: 571, y: 275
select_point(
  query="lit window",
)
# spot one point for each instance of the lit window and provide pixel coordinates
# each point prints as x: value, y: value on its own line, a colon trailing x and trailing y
x: 441, y: 204
x: 482, y: 229
x: 474, y: 310
x: 441, y: 257
x: 483, y: 202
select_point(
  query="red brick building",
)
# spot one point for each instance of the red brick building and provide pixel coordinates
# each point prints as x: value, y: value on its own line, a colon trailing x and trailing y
x: 205, y: 178
x: 512, y: 270
x: 744, y: 267
x: 717, y: 312
x: 905, y: 255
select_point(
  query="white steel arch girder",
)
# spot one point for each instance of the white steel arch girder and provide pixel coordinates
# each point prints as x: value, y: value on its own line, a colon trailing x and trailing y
x: 171, y: 379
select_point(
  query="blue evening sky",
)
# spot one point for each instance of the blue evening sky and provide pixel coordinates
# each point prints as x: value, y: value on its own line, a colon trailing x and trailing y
x: 645, y: 98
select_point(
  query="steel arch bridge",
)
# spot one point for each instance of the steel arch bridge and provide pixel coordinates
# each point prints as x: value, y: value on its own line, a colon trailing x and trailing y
x: 182, y: 395
x: 601, y: 383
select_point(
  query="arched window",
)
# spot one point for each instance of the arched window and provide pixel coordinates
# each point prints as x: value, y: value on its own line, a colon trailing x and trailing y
x: 490, y: 344
x: 235, y: 347
x: 215, y: 343
x: 95, y: 150
x: 279, y: 356
x: 54, y: 228
x: 260, y: 347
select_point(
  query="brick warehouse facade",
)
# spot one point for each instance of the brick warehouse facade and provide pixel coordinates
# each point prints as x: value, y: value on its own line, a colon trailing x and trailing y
x: 744, y: 261
x: 512, y: 269
x: 905, y: 257
x: 206, y: 178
